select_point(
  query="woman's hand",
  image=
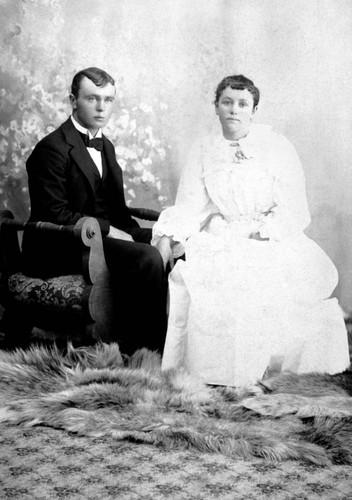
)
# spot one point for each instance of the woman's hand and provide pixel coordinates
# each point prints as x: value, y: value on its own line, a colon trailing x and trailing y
x: 164, y: 247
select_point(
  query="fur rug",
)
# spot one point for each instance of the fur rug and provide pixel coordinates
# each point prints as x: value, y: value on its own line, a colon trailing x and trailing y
x: 92, y: 392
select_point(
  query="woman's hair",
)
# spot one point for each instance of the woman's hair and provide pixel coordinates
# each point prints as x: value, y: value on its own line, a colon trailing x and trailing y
x: 98, y: 76
x: 239, y: 82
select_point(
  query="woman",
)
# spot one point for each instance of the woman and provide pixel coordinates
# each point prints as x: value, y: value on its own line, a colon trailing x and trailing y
x: 252, y: 295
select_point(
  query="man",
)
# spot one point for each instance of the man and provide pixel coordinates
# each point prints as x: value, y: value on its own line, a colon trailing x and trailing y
x: 72, y: 173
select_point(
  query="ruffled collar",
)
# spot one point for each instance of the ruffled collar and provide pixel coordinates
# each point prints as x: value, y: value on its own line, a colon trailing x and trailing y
x: 258, y: 137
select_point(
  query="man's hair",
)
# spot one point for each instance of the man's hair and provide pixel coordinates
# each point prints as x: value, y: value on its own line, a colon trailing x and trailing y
x: 99, y: 77
x: 239, y: 82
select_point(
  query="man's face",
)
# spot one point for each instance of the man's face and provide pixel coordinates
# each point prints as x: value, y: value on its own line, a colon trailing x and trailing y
x: 236, y: 111
x: 93, y: 106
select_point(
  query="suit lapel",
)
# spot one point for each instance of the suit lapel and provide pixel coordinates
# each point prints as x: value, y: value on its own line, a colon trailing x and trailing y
x: 79, y: 151
x: 110, y: 158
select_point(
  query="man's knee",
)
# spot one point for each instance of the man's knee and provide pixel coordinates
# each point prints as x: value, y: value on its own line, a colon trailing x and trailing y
x: 151, y: 259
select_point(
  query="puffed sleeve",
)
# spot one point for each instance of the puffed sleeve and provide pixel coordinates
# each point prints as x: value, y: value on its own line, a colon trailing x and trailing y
x: 192, y: 206
x: 291, y: 212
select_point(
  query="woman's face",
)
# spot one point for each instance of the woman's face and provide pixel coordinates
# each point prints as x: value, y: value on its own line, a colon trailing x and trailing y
x: 235, y: 110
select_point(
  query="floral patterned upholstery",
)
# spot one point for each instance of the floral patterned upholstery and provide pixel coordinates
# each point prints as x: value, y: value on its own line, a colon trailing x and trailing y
x: 59, y: 293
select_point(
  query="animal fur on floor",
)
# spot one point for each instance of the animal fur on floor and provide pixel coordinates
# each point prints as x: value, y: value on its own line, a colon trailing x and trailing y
x: 91, y: 392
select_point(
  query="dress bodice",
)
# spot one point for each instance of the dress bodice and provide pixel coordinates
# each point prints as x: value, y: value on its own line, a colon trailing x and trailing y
x: 242, y: 189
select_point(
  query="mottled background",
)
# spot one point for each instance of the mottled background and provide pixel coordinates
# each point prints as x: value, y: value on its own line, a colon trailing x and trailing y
x: 167, y: 57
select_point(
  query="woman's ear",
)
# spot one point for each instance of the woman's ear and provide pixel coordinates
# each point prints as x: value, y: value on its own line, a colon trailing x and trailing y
x: 255, y: 108
x: 216, y: 108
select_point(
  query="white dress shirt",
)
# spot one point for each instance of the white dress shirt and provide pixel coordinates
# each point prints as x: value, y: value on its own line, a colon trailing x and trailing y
x: 94, y: 153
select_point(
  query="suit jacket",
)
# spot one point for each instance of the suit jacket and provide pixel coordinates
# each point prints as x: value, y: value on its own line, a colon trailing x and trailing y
x: 61, y: 188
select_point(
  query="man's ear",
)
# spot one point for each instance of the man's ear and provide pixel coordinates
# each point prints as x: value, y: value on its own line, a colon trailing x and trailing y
x: 73, y: 101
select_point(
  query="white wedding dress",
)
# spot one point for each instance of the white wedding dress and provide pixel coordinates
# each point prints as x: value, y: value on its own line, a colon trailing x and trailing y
x: 239, y: 306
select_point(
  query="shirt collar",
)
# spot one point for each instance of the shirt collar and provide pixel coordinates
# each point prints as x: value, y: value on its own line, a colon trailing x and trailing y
x: 84, y: 130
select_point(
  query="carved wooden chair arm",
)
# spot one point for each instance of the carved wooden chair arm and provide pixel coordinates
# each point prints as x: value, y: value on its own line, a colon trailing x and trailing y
x: 87, y: 229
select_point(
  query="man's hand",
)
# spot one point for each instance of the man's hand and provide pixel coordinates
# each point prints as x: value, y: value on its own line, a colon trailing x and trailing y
x: 119, y: 234
x: 164, y: 247
x: 256, y: 236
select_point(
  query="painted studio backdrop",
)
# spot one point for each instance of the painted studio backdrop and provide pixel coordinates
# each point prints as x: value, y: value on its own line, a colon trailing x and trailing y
x: 167, y: 57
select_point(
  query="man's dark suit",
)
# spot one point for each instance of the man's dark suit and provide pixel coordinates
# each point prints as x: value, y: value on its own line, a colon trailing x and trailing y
x: 64, y: 185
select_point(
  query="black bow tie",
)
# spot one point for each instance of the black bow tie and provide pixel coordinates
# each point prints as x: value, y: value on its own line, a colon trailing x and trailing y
x: 96, y: 143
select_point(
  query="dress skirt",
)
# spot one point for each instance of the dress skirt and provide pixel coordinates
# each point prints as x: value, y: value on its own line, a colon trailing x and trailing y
x: 240, y: 306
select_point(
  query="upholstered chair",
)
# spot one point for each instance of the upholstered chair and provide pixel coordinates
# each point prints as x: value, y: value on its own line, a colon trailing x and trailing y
x: 78, y: 307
